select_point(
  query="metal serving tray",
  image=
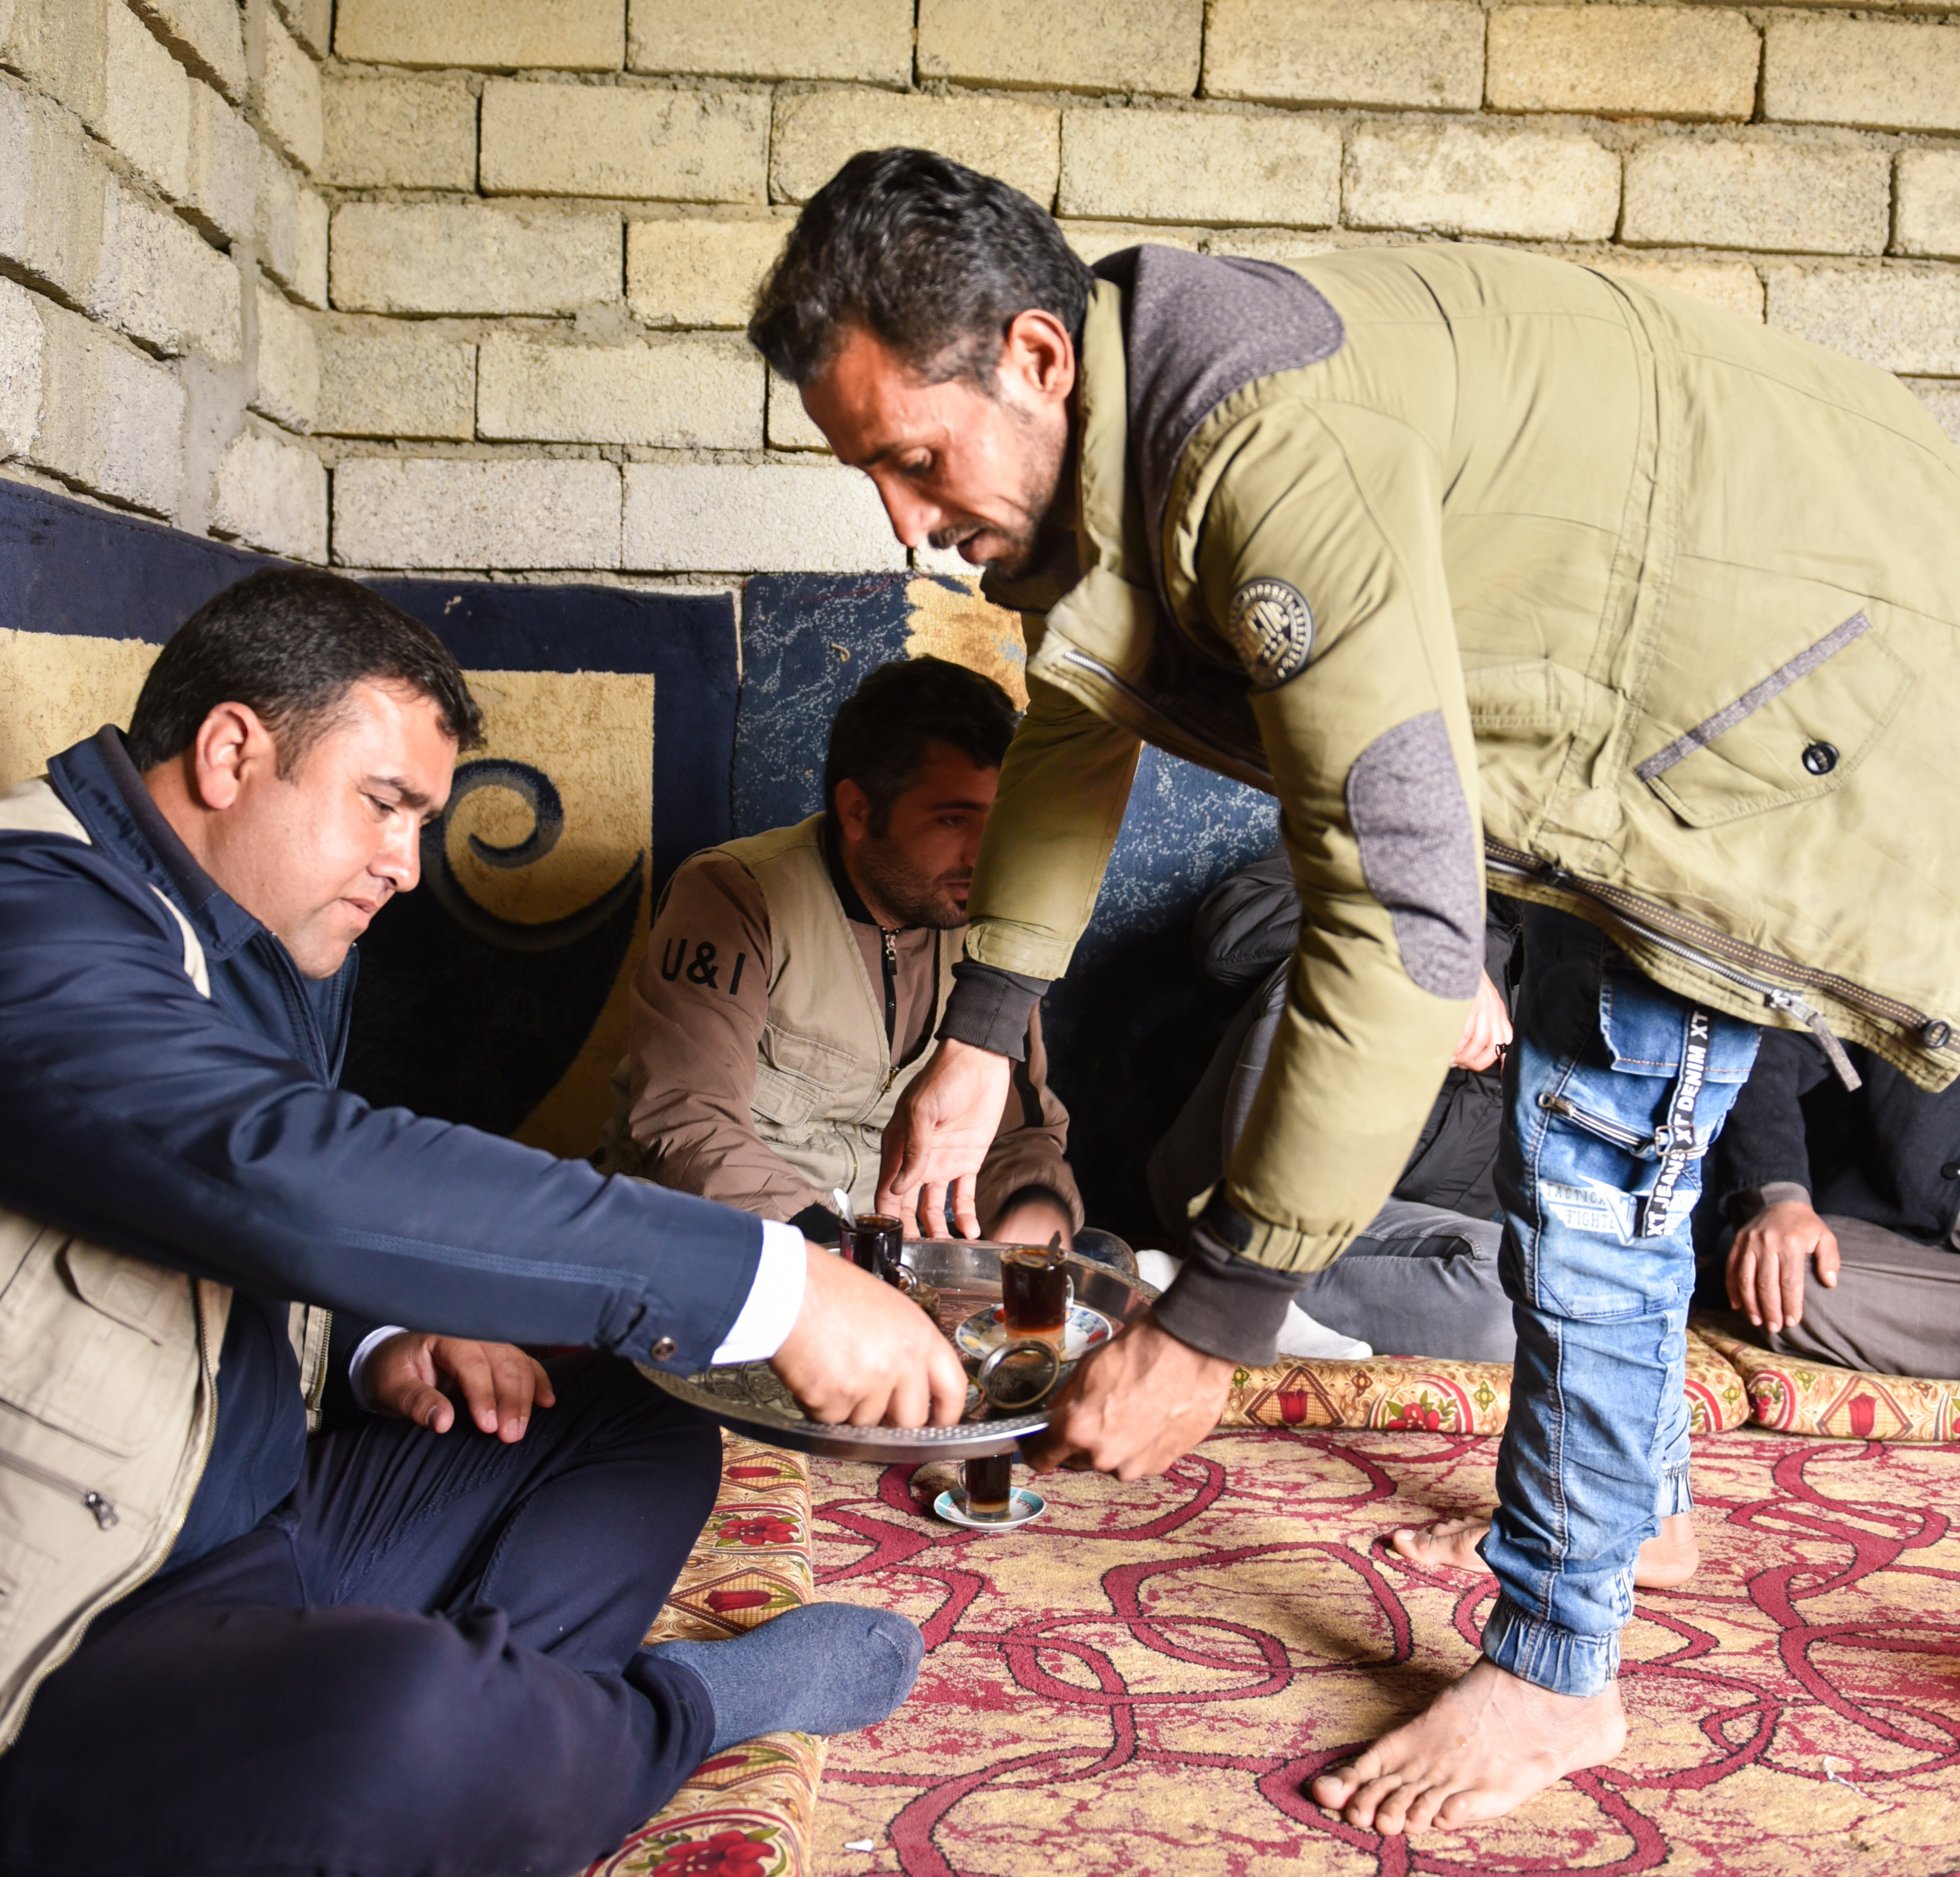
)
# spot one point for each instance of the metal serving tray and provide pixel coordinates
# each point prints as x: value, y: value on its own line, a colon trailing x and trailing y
x: 748, y: 1398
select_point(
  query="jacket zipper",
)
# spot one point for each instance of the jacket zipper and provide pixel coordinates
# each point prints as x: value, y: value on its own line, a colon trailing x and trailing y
x: 1728, y: 958
x: 104, y: 1507
x: 888, y: 946
x: 207, y: 1376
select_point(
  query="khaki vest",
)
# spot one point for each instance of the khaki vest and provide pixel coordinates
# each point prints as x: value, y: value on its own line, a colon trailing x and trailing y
x: 108, y: 1401
x: 825, y: 1085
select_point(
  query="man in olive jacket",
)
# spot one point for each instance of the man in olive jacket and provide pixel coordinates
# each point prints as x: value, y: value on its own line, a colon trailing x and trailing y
x: 1480, y: 562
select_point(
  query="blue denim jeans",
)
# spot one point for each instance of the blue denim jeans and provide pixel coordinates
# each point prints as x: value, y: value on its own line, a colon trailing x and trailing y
x: 1615, y: 1088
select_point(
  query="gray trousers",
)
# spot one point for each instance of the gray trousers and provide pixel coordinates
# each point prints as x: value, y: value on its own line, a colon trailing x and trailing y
x: 1419, y: 1281
x: 1895, y: 1310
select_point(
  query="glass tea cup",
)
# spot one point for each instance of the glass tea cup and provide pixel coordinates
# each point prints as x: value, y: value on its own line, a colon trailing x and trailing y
x: 989, y: 1488
x: 1035, y: 1293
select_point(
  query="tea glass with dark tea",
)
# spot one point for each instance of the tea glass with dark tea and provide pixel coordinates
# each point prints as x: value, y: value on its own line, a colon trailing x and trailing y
x: 989, y: 1482
x: 1035, y: 1293
x: 874, y: 1244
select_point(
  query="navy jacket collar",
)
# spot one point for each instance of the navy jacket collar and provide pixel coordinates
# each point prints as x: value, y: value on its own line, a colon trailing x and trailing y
x: 105, y: 794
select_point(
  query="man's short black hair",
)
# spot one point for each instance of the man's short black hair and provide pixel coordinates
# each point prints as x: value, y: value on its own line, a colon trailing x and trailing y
x: 933, y: 259
x: 290, y: 643
x: 879, y: 739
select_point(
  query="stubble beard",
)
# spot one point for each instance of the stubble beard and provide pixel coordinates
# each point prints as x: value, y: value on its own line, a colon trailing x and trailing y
x: 910, y: 895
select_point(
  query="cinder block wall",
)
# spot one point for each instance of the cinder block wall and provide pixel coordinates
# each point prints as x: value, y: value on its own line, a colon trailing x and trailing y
x: 515, y: 346
x: 162, y: 259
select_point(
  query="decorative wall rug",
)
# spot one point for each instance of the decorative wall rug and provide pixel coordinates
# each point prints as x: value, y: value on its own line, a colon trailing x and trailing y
x: 1139, y: 1681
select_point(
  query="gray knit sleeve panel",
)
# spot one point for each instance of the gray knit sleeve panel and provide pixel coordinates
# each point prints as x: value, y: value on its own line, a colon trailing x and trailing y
x: 1419, y: 852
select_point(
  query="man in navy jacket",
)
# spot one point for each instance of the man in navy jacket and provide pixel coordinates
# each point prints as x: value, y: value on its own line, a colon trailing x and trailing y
x: 393, y: 1646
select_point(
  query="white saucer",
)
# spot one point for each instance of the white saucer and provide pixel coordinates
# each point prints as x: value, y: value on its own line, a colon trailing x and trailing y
x: 952, y: 1507
x: 984, y: 1331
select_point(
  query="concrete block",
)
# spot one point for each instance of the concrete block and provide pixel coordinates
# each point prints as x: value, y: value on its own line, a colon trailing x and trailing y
x: 647, y: 142
x: 1626, y: 61
x: 102, y: 416
x: 1428, y: 54
x: 52, y: 184
x: 1927, y: 211
x: 146, y: 104
x: 311, y: 22
x: 869, y: 40
x: 205, y: 35
x: 492, y: 35
x: 764, y: 518
x: 390, y: 512
x: 1735, y: 286
x: 396, y: 378
x: 21, y: 344
x: 270, y: 493
x: 159, y: 280
x: 1198, y: 166
x: 402, y: 133
x: 789, y: 424
x: 222, y: 169
x: 817, y: 131
x: 1282, y: 247
x: 1142, y: 47
x: 289, y: 100
x: 1875, y: 74
x: 287, y: 385
x: 1463, y: 179
x: 1091, y: 240
x: 678, y: 393
x: 1942, y: 399
x: 691, y: 271
x: 1907, y: 322
x: 1789, y: 198
x: 308, y: 280
x: 444, y: 257
x: 61, y: 47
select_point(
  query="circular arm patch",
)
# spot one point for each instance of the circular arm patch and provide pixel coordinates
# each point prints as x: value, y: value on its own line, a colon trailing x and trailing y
x: 1271, y: 626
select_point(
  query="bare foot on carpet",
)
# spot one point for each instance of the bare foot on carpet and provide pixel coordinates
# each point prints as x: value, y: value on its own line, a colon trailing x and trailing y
x: 1666, y: 1561
x: 1484, y: 1746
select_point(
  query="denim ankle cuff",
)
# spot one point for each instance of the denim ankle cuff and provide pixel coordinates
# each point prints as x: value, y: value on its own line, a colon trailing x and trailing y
x: 1675, y: 1495
x: 1547, y: 1656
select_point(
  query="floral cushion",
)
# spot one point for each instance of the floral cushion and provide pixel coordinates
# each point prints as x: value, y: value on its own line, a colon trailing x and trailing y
x: 1794, y: 1395
x: 747, y: 1813
x: 1395, y: 1393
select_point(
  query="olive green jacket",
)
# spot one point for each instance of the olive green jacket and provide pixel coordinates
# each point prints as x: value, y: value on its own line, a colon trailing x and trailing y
x: 1451, y: 547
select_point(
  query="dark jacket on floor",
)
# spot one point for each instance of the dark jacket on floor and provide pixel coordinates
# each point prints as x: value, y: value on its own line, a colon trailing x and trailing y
x: 1242, y: 937
x: 1888, y: 1153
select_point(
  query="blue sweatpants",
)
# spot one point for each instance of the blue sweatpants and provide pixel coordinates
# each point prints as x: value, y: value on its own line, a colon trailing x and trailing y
x: 423, y: 1662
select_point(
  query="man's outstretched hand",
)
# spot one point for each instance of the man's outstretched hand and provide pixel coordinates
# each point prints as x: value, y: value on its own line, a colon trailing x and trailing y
x: 864, y: 1354
x: 945, y: 1122
x: 499, y: 1384
x: 1487, y: 1031
x: 1766, y: 1263
x: 1135, y: 1406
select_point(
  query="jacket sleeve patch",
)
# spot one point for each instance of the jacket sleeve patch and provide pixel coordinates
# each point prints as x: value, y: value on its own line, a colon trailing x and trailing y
x: 1271, y: 626
x: 1419, y: 852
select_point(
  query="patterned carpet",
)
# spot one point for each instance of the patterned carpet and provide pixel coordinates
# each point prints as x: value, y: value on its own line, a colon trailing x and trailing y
x: 1139, y: 1682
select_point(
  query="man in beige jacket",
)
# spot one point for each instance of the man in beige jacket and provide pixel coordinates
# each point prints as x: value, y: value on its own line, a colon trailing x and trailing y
x: 794, y: 979
x: 1480, y: 562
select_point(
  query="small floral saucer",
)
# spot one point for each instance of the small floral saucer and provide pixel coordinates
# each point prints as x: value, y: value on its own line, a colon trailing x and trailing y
x: 951, y: 1506
x: 984, y: 1331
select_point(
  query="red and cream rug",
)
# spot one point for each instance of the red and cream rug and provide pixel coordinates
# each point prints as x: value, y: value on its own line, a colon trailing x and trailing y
x: 1139, y: 1682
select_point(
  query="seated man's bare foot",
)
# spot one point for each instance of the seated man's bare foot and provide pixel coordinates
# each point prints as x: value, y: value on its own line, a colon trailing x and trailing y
x: 1667, y: 1559
x: 1483, y: 1748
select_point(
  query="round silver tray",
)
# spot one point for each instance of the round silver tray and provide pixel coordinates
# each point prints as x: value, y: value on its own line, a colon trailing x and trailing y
x: 748, y: 1398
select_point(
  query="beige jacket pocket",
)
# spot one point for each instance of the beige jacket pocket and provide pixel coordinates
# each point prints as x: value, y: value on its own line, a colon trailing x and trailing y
x: 1800, y: 732
x: 89, y: 1339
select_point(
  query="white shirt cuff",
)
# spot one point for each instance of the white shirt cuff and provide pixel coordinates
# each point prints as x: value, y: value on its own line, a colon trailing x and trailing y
x: 358, y: 1361
x: 775, y: 1299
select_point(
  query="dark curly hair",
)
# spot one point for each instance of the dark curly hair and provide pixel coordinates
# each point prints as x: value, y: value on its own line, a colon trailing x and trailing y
x: 878, y: 740
x: 290, y: 642
x: 932, y: 258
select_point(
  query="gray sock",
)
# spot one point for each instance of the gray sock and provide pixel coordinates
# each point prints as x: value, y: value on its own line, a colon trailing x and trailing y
x: 824, y: 1668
